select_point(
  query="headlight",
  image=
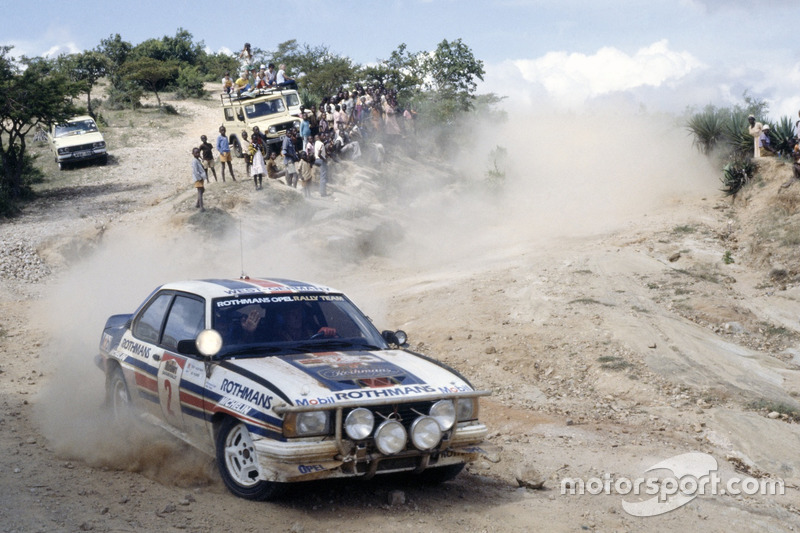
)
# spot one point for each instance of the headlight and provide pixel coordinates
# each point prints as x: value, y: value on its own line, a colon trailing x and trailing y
x: 62, y: 151
x: 306, y: 424
x: 445, y: 413
x: 272, y: 130
x: 358, y: 424
x: 390, y: 437
x: 296, y: 124
x: 101, y: 144
x: 425, y: 433
x: 467, y: 409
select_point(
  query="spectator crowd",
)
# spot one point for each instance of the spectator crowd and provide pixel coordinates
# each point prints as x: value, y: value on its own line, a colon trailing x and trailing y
x: 347, y: 125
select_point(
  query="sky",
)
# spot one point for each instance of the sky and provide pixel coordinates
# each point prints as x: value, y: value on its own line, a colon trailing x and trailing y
x: 655, y: 55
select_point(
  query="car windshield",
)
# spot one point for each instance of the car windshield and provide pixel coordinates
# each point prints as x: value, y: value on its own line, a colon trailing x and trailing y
x: 76, y: 127
x: 263, y: 109
x: 268, y: 324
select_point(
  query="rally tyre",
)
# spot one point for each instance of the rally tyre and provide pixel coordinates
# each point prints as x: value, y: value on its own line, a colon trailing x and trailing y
x: 119, y: 400
x: 238, y: 464
x: 442, y: 474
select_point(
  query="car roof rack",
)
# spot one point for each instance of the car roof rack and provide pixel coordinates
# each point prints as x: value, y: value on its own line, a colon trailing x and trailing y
x: 231, y: 97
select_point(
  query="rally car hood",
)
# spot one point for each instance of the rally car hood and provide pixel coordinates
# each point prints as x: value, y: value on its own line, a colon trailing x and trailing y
x: 78, y: 139
x: 353, y: 376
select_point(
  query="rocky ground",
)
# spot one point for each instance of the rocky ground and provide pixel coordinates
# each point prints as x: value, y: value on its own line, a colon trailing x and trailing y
x: 671, y: 328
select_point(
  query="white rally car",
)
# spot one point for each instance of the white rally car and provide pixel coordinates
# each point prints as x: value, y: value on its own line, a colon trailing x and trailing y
x: 283, y: 381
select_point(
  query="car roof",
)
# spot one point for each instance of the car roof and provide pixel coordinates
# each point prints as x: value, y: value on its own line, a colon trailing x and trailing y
x: 221, y: 288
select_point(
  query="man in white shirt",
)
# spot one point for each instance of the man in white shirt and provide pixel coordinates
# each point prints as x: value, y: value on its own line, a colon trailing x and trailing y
x: 321, y: 159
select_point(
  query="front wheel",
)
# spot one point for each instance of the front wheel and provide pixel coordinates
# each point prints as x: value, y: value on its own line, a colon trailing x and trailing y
x: 238, y: 464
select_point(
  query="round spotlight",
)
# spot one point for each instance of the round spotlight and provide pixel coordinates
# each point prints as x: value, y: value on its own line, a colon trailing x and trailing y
x: 425, y: 433
x: 209, y: 342
x: 359, y: 423
x: 390, y: 437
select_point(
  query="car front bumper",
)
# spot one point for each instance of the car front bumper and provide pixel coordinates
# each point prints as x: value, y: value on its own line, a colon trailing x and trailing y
x: 292, y: 461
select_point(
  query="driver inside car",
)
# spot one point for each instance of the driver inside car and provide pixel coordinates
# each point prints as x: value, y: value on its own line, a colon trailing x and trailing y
x: 296, y: 327
x: 246, y: 330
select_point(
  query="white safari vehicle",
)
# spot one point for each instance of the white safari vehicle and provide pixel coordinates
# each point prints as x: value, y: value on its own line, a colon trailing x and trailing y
x: 283, y: 381
x: 77, y: 139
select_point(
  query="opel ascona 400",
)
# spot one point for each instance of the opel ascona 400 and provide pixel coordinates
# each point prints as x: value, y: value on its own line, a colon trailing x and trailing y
x: 283, y: 381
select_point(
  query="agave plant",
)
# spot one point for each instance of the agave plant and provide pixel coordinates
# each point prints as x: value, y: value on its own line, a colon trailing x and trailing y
x: 782, y: 136
x: 707, y: 128
x: 737, y: 136
x: 736, y: 174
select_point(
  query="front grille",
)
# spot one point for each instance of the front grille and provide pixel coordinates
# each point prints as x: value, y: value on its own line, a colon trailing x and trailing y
x: 80, y: 148
x: 284, y: 126
x: 405, y: 413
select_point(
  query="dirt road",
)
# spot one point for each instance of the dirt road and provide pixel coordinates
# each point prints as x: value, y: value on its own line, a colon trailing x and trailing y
x: 610, y: 347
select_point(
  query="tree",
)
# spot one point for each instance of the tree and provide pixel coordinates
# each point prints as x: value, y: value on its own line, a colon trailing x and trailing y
x: 450, y: 72
x: 117, y: 51
x: 401, y: 72
x: 86, y: 68
x: 317, y: 70
x: 179, y: 48
x: 150, y: 73
x: 38, y: 94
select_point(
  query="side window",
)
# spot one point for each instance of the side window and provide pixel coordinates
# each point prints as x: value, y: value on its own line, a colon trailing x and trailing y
x: 148, y: 324
x: 186, y: 319
x: 292, y: 100
x: 228, y: 113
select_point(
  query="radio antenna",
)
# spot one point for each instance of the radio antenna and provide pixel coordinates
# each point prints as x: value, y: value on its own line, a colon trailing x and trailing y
x: 241, y: 250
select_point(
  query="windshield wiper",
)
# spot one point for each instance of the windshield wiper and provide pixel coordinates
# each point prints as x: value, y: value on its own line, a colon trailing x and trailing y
x: 334, y: 343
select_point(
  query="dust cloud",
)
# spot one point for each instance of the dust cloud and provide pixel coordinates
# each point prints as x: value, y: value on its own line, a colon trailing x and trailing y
x: 566, y: 176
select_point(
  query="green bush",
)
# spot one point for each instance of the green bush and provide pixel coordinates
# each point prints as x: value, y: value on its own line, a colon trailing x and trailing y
x: 124, y: 95
x: 30, y: 174
x: 190, y: 83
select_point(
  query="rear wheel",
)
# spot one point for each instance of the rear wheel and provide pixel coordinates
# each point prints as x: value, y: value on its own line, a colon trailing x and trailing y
x: 119, y: 400
x: 238, y: 464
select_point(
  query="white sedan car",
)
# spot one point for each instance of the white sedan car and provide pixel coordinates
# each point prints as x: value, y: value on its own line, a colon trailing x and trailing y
x: 283, y: 381
x: 77, y: 139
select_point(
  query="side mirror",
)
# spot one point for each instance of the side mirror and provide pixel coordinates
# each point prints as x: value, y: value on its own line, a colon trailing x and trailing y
x: 398, y: 337
x: 188, y: 347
